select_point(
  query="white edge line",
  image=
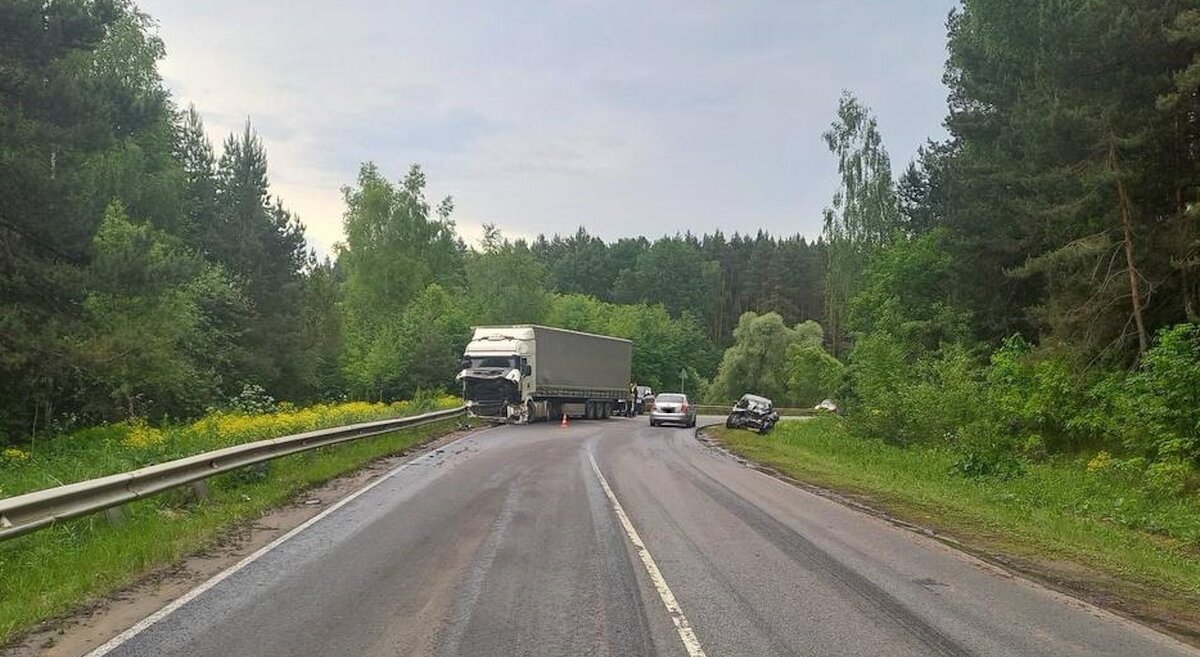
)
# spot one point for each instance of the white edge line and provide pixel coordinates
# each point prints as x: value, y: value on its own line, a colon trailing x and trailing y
x: 182, y: 600
x: 686, y: 634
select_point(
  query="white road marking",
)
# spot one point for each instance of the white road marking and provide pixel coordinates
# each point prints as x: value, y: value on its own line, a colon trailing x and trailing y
x: 157, y: 616
x: 686, y: 634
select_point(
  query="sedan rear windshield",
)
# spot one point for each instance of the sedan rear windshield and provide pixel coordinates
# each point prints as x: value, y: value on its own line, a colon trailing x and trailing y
x: 671, y: 399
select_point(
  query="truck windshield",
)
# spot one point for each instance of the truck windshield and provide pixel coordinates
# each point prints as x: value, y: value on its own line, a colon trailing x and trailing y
x: 493, y: 361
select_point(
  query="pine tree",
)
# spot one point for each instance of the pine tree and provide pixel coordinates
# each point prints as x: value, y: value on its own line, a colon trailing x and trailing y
x: 262, y: 244
x: 195, y: 155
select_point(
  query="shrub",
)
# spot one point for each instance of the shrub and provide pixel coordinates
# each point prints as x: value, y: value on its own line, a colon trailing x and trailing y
x: 878, y: 371
x: 993, y: 464
x: 1159, y: 410
x: 13, y: 455
x: 812, y: 375
x: 253, y: 399
x: 1041, y: 393
x: 901, y: 401
x: 1033, y: 447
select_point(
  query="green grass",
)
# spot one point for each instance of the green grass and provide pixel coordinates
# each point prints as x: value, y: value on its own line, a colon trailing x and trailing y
x: 48, y: 573
x: 124, y: 446
x: 1056, y: 517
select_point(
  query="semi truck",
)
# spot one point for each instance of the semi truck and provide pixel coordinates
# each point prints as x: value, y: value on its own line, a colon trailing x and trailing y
x: 527, y: 372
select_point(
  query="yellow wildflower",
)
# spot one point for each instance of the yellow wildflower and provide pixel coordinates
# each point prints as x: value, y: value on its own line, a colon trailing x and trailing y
x: 14, y: 454
x: 1099, y: 461
x: 142, y: 435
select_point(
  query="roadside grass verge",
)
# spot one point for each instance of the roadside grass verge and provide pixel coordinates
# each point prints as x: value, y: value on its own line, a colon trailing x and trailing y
x: 1070, y: 525
x: 124, y: 446
x: 50, y: 572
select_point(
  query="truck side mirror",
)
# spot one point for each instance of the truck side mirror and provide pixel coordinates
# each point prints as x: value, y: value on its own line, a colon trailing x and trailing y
x: 527, y: 369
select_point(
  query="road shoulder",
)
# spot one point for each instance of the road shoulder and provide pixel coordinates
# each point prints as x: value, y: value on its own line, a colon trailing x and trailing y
x: 94, y: 623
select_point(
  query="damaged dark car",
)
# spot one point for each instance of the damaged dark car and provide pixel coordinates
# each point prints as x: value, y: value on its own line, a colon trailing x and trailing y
x: 752, y: 412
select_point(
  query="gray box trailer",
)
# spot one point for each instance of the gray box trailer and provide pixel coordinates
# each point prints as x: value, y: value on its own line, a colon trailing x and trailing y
x: 529, y: 372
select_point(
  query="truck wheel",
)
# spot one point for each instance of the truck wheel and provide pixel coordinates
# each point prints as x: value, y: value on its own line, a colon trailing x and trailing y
x: 605, y: 411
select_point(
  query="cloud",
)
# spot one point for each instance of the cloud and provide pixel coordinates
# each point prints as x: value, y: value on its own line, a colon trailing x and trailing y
x: 629, y: 118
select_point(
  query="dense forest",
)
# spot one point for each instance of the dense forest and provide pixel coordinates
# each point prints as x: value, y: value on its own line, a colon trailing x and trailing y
x: 148, y: 274
x: 1028, y: 284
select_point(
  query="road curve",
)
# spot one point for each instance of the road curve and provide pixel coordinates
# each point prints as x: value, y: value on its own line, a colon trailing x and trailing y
x: 539, y: 540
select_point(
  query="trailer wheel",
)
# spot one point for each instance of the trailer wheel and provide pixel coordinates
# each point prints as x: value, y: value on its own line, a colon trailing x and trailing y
x: 605, y: 411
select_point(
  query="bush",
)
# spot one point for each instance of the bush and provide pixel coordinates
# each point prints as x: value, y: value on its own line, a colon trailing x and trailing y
x: 812, y: 375
x: 995, y: 464
x: 878, y: 371
x: 252, y: 399
x: 1028, y: 403
x: 1168, y: 478
x: 1159, y: 410
x: 901, y: 401
x: 1044, y: 394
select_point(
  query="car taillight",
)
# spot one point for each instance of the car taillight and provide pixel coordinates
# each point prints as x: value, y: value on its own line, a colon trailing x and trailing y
x: 684, y: 407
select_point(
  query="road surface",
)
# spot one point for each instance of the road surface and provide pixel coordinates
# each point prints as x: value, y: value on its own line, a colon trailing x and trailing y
x: 615, y: 538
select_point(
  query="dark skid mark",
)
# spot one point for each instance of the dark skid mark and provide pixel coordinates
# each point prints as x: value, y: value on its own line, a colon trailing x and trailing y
x: 472, y: 586
x: 716, y: 574
x: 625, y: 621
x: 801, y: 549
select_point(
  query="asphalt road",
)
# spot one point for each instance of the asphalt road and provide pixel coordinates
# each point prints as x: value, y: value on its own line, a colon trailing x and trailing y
x: 529, y: 541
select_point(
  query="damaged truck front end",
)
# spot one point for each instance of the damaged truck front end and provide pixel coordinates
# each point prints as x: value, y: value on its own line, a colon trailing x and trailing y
x: 492, y: 392
x: 493, y: 375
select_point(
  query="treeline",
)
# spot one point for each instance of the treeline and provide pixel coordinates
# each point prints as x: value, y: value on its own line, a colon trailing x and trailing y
x: 145, y: 274
x: 714, y: 277
x: 140, y: 273
x: 1029, y: 285
x: 148, y: 274
x: 410, y: 291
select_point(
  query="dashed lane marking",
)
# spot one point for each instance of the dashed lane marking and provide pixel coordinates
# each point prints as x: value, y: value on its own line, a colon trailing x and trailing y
x: 686, y: 634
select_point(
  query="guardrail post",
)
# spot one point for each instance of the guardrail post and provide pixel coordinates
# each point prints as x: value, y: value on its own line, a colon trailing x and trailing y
x: 200, y: 489
x: 115, y: 516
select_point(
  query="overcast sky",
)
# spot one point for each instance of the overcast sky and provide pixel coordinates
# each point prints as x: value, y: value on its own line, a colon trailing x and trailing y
x: 629, y: 118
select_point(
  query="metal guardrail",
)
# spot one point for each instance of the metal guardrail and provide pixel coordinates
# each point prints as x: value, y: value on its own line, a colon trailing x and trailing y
x: 713, y: 409
x: 32, y: 511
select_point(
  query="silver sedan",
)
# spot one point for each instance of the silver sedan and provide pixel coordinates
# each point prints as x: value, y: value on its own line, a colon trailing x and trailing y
x: 673, y: 408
